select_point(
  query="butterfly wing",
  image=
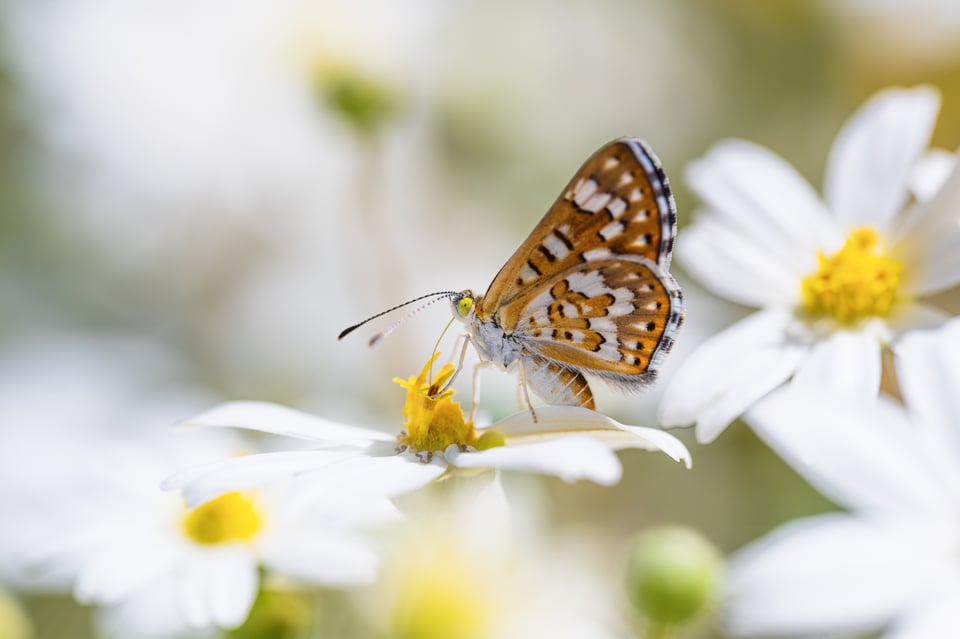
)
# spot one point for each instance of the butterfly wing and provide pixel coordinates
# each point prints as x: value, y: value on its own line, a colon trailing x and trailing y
x: 589, y: 288
x: 618, y: 203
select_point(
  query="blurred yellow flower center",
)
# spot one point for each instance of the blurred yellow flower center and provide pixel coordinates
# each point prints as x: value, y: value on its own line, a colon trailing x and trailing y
x: 433, y: 421
x: 858, y: 281
x: 230, y: 517
x: 440, y: 596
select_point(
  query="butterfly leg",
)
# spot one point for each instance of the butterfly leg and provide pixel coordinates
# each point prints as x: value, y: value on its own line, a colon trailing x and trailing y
x: 523, y: 392
x: 463, y: 355
x: 476, y: 388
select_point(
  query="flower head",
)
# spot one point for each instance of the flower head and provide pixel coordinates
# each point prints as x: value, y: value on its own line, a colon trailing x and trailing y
x: 889, y: 563
x: 568, y: 442
x: 835, y: 279
x: 433, y: 420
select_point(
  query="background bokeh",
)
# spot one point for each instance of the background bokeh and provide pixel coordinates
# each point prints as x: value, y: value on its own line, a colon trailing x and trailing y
x: 197, y: 196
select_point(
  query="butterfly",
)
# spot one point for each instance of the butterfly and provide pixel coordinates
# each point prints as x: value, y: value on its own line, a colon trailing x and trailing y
x: 589, y: 291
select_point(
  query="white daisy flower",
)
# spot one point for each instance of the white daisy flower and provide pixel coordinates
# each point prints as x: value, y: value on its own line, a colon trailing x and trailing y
x: 835, y: 279
x: 891, y: 562
x: 484, y: 568
x: 570, y: 443
x: 117, y: 541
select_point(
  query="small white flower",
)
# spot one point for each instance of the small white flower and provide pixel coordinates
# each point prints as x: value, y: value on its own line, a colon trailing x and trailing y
x: 835, y: 280
x: 117, y: 541
x: 891, y: 562
x: 568, y: 442
x: 475, y: 566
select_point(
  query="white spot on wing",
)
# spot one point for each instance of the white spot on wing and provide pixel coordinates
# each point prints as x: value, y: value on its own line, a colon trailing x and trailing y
x: 596, y: 254
x: 583, y: 191
x: 611, y: 230
x: 589, y: 284
x: 527, y: 274
x: 610, y: 163
x: 636, y: 195
x: 603, y: 325
x: 597, y: 202
x: 556, y: 246
x: 617, y: 207
x: 626, y: 178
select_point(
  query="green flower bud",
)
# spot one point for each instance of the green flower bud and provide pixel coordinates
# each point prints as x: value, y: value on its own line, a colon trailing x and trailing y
x: 673, y: 574
x: 359, y: 99
x: 277, y: 614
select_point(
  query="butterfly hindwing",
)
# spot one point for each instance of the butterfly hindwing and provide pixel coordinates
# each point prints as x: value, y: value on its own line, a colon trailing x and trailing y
x: 613, y: 318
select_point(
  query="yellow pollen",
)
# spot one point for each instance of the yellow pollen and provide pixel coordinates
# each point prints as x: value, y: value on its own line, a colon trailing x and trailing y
x: 230, y: 517
x: 859, y: 281
x: 433, y: 421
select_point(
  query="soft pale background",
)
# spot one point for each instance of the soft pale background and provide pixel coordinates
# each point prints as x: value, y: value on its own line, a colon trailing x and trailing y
x: 184, y: 216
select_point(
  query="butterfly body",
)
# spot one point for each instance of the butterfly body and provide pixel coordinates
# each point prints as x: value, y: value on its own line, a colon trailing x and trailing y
x: 589, y: 290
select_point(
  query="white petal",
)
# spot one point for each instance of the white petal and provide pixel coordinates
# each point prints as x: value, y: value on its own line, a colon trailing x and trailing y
x: 927, y: 243
x: 915, y: 316
x: 729, y: 372
x: 197, y: 485
x: 764, y: 199
x: 361, y: 476
x: 554, y: 421
x: 121, y: 567
x: 322, y: 558
x: 728, y: 263
x: 937, y: 615
x: 874, y: 153
x: 218, y: 587
x: 569, y: 458
x: 846, y: 362
x: 931, y: 172
x: 824, y: 575
x: 863, y: 455
x: 928, y: 373
x: 280, y: 420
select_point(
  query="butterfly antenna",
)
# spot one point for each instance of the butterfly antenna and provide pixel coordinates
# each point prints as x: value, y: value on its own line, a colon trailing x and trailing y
x: 440, y: 295
x: 379, y: 336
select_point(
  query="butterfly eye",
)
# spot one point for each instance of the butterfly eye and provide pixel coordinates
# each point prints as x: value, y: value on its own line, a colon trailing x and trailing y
x: 464, y: 306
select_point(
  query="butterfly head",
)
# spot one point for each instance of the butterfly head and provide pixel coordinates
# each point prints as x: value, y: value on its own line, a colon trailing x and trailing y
x: 464, y: 305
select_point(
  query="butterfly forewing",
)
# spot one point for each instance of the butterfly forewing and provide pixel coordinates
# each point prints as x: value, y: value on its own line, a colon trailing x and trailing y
x: 618, y: 203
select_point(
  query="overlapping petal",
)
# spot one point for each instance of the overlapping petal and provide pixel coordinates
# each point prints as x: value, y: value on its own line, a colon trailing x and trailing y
x: 928, y: 240
x: 729, y: 372
x: 928, y: 373
x: 826, y: 575
x: 871, y: 161
x: 570, y: 458
x: 765, y: 200
x: 845, y: 362
x: 865, y: 456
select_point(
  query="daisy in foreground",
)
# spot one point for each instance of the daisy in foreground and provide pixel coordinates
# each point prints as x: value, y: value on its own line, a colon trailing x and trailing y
x: 835, y: 280
x: 568, y: 442
x: 159, y: 569
x: 891, y: 562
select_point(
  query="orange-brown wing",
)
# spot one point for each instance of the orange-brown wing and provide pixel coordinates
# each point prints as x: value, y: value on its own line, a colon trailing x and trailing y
x: 615, y: 318
x: 558, y: 384
x: 618, y: 203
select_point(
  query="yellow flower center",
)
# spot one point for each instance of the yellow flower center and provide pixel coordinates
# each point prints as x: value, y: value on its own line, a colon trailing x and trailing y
x: 441, y: 595
x: 433, y: 421
x: 860, y: 280
x: 230, y: 517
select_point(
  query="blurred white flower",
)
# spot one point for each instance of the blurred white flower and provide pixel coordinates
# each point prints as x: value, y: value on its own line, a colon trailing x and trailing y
x: 835, y: 280
x: 85, y: 443
x: 891, y: 562
x: 567, y: 442
x: 118, y: 541
x: 475, y: 566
